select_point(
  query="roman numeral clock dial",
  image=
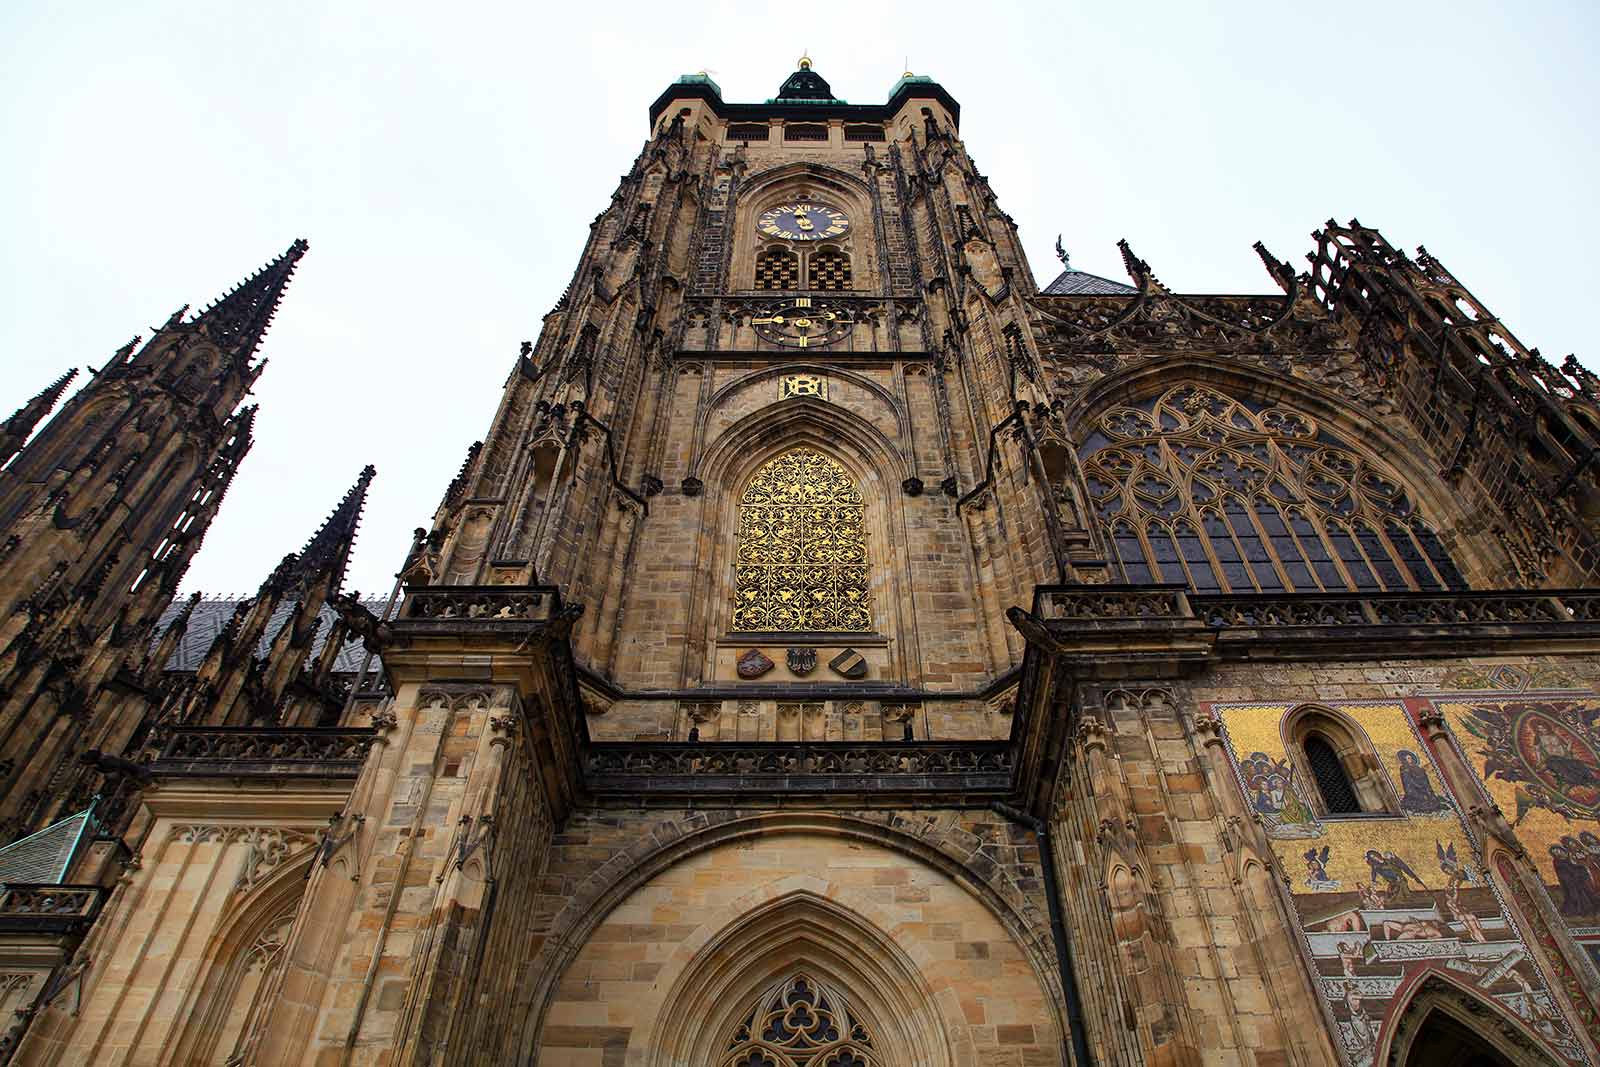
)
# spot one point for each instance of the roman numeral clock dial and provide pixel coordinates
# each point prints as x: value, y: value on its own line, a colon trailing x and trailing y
x: 803, y: 220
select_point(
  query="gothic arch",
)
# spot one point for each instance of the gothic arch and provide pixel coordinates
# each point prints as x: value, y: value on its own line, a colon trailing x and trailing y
x: 1356, y: 753
x: 237, y: 949
x: 1434, y: 995
x: 755, y: 944
x: 938, y: 847
x: 760, y: 191
x: 1387, y: 529
x: 844, y: 374
x: 872, y: 462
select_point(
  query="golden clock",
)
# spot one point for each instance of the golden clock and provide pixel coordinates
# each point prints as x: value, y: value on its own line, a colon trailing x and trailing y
x: 802, y: 323
x: 803, y: 220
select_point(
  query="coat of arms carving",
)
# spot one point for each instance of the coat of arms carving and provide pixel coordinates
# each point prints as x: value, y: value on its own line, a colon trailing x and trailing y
x: 753, y: 664
x: 802, y: 661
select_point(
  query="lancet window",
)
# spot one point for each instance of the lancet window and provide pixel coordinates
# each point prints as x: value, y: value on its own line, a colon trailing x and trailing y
x: 1197, y: 487
x: 800, y: 1022
x: 1338, y: 794
x: 777, y: 268
x: 801, y: 559
x: 830, y: 270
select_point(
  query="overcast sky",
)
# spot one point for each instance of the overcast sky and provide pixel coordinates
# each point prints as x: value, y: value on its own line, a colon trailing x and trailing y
x: 445, y: 160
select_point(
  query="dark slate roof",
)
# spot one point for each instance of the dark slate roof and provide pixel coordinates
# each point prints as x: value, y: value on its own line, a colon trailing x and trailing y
x: 44, y: 857
x: 1081, y: 283
x: 210, y: 616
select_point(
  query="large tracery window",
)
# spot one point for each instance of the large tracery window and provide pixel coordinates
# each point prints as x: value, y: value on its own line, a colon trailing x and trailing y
x: 1193, y: 486
x: 801, y: 562
x: 800, y: 1022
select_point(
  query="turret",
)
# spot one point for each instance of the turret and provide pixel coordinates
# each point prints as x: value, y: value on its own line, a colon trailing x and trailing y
x: 14, y: 431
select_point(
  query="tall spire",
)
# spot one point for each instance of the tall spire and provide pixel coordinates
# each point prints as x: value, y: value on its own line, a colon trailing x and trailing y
x: 238, y: 321
x: 15, y: 430
x: 329, y: 547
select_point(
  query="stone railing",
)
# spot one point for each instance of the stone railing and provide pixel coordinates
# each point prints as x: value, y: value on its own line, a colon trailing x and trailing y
x: 975, y: 767
x: 54, y: 908
x: 1127, y: 603
x: 480, y: 603
x: 243, y: 751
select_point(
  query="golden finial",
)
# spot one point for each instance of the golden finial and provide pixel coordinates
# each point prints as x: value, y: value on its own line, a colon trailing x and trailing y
x: 908, y: 73
x: 805, y: 62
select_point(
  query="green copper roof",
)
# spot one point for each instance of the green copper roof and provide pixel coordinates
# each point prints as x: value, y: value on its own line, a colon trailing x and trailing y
x: 909, y: 79
x: 701, y: 79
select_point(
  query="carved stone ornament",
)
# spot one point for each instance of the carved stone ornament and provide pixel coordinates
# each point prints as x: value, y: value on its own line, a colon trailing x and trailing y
x: 754, y: 663
x: 849, y: 664
x: 802, y: 661
x: 693, y: 486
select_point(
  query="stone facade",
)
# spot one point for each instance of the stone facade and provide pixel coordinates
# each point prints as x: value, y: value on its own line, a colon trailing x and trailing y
x: 839, y: 652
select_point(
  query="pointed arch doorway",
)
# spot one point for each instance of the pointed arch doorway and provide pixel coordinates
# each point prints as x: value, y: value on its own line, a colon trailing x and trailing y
x: 803, y: 981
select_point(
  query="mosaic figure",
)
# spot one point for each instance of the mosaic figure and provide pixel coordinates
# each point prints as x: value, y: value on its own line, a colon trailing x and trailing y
x: 1269, y: 783
x: 1417, y: 796
x: 1393, y: 873
x: 1317, y: 869
x: 1579, y: 896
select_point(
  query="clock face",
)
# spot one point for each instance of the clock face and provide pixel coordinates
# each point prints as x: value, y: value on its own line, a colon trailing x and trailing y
x: 803, y: 220
x: 802, y: 323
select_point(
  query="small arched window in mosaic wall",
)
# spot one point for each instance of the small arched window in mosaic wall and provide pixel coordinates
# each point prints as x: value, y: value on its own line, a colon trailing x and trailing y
x: 801, y: 559
x: 1338, y: 794
x: 1197, y: 487
x: 800, y: 1022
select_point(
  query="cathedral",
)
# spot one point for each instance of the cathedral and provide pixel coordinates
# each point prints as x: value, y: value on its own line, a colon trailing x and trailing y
x: 840, y: 651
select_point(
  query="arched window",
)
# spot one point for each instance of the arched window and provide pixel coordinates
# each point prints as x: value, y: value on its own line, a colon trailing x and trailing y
x: 830, y: 270
x: 777, y: 268
x: 800, y: 1022
x: 801, y: 561
x: 1197, y: 487
x: 1338, y: 793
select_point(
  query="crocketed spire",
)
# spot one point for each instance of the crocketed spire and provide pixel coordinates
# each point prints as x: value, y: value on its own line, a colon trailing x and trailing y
x: 238, y: 321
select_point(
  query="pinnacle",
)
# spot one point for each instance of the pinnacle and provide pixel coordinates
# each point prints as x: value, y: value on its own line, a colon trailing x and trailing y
x: 329, y: 547
x: 16, y: 429
x: 238, y: 321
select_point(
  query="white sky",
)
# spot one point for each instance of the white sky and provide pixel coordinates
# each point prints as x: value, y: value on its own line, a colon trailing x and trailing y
x: 445, y: 160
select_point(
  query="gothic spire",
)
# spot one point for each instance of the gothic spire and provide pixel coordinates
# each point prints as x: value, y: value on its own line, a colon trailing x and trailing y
x: 238, y: 321
x: 329, y: 547
x: 15, y: 430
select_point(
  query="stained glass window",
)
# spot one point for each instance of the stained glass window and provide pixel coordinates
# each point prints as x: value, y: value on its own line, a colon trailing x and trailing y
x: 1198, y: 487
x: 1338, y: 795
x: 801, y: 560
x: 800, y: 1022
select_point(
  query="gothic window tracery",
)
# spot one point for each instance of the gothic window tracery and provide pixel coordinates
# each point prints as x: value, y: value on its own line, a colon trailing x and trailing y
x: 801, y: 558
x: 1197, y: 487
x: 777, y: 268
x: 800, y: 1022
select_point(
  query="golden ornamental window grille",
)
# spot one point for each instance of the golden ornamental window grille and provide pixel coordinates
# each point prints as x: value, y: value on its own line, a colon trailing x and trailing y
x: 814, y: 385
x: 830, y: 270
x: 800, y: 1022
x: 801, y: 559
x: 777, y: 268
x: 1197, y: 487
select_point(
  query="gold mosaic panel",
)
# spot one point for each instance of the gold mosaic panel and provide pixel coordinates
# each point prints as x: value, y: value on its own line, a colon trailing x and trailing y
x: 1539, y: 759
x: 1381, y: 899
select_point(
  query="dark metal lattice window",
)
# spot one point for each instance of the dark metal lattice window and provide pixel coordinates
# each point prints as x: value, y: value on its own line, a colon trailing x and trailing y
x: 830, y: 270
x: 1197, y: 487
x: 777, y: 268
x: 748, y: 131
x: 805, y: 132
x: 863, y: 133
x: 1338, y: 794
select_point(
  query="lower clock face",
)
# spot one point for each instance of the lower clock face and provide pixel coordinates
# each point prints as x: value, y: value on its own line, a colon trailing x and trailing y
x: 803, y: 220
x: 801, y: 323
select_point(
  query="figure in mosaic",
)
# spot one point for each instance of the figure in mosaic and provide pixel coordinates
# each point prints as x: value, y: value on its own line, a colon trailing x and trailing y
x: 1416, y: 791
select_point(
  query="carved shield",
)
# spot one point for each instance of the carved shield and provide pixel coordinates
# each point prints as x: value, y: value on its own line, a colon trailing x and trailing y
x: 849, y: 664
x: 802, y: 661
x: 754, y: 663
